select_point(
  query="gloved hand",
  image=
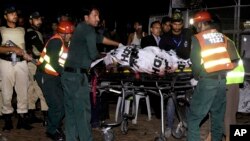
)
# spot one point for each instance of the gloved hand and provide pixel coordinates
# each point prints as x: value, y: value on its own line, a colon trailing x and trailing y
x: 120, y: 45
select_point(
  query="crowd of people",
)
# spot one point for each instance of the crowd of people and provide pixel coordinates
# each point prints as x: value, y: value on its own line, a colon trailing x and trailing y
x: 53, y: 68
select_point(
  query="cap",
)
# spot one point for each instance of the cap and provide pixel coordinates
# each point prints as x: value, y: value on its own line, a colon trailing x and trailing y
x: 35, y: 15
x: 10, y: 10
x: 165, y: 19
x: 177, y: 17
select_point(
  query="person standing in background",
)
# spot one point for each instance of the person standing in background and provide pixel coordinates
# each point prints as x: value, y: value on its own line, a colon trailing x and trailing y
x: 34, y: 46
x: 179, y: 40
x: 165, y: 25
x: 135, y: 37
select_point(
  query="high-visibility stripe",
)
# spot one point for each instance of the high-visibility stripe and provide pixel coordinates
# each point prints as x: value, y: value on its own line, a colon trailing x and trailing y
x: 214, y: 63
x: 212, y: 51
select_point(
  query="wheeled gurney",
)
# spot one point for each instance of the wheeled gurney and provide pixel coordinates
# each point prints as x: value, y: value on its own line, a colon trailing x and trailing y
x: 125, y: 82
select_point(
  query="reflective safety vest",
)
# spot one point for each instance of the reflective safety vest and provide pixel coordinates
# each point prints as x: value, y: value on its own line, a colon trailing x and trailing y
x: 237, y: 75
x: 44, y: 58
x: 214, y: 55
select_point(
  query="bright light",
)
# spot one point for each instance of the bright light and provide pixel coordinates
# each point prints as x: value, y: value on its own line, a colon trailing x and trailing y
x: 244, y: 39
x: 191, y: 21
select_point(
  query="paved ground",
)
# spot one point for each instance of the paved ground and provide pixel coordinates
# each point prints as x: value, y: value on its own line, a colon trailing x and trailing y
x: 143, y: 131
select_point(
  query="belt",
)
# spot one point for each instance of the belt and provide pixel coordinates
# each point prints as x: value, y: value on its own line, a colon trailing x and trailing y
x: 8, y: 58
x: 76, y: 70
x: 217, y: 76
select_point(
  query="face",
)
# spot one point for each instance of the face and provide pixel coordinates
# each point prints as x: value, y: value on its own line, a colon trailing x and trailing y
x: 93, y: 18
x: 177, y: 26
x: 156, y: 29
x: 54, y: 26
x: 37, y: 22
x: 198, y: 27
x: 67, y: 37
x: 137, y: 26
x: 11, y: 17
x: 166, y: 27
x: 21, y: 21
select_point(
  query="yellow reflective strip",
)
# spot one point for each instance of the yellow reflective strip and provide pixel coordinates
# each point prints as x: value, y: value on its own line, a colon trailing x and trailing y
x: 240, y: 62
x: 41, y: 59
x: 64, y: 55
x: 235, y: 74
x: 211, y: 64
x: 47, y: 58
x: 49, y: 67
x: 61, y: 51
x: 210, y: 52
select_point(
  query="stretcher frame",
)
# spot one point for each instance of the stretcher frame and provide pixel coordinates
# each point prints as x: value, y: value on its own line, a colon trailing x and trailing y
x: 163, y: 86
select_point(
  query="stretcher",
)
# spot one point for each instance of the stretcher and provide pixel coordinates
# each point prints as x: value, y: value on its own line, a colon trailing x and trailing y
x: 124, y: 82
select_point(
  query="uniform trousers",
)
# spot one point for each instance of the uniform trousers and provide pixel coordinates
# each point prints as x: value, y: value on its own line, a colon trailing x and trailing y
x: 209, y: 96
x: 77, y: 106
x: 34, y: 91
x: 52, y: 89
x: 14, y: 76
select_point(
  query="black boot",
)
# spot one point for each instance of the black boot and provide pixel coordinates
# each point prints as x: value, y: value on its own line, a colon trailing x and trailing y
x: 45, y: 118
x: 8, y: 122
x: 22, y: 122
x: 33, y: 118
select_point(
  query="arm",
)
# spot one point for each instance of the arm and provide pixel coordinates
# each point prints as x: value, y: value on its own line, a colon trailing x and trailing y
x: 195, y: 57
x: 130, y: 37
x: 17, y: 50
x: 107, y: 41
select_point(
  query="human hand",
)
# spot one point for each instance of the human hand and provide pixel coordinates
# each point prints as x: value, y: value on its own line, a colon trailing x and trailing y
x: 27, y: 57
x: 17, y: 50
x: 120, y: 45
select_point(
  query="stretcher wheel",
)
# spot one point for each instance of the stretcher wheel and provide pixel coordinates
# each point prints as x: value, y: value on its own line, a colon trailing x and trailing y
x: 124, y: 127
x: 109, y: 135
x: 179, y: 131
x: 161, y: 138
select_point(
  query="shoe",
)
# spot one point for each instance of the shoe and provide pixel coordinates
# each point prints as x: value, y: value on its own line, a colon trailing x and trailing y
x: 8, y: 122
x: 32, y: 118
x: 167, y: 132
x: 56, y: 136
x: 23, y: 123
x: 45, y: 118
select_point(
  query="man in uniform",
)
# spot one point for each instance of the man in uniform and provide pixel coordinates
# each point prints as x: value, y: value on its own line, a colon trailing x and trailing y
x: 82, y: 52
x: 50, y: 68
x: 34, y: 47
x: 212, y: 55
x: 13, y: 71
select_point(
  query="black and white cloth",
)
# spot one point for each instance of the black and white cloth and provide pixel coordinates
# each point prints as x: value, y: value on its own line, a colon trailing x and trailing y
x: 151, y: 59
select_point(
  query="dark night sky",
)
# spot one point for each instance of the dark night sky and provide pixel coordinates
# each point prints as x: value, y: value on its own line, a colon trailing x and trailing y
x: 121, y: 10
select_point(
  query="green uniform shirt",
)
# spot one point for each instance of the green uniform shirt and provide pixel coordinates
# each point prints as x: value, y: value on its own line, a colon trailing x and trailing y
x: 82, y: 49
x: 195, y: 56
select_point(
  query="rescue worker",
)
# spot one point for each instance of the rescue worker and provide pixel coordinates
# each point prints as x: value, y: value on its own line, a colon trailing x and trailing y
x: 233, y: 78
x: 50, y: 67
x: 212, y: 55
x: 14, y: 73
x: 82, y: 52
x: 34, y: 46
